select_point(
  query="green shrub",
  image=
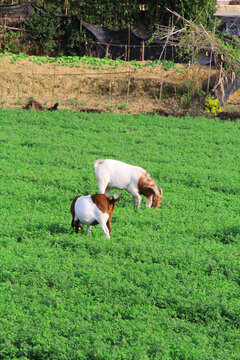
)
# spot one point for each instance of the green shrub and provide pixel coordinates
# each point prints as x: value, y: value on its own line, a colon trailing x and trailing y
x: 43, y: 31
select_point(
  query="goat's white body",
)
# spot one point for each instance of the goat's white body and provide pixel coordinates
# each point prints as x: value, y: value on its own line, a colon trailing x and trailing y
x: 114, y: 174
x: 117, y: 174
x: 87, y: 212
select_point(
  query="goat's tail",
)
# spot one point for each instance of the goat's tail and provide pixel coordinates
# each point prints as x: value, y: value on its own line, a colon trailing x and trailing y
x: 72, y: 209
x: 98, y: 162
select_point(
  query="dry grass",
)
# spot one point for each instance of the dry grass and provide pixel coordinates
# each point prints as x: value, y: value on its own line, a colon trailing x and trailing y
x: 126, y: 88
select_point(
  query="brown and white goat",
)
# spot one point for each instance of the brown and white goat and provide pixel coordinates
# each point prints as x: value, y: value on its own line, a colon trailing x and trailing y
x: 92, y: 210
x: 112, y: 174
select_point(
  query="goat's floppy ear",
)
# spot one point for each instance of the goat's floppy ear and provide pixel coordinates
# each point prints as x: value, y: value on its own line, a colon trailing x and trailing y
x: 160, y: 191
x: 149, y: 201
x: 116, y: 197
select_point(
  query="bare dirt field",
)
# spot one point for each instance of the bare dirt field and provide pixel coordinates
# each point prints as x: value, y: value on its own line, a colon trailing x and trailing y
x: 110, y: 88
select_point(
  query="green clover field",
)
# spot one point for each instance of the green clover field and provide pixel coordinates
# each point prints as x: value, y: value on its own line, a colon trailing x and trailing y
x: 167, y: 283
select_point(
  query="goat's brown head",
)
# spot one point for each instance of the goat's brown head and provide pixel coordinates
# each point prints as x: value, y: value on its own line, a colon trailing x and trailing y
x: 155, y: 200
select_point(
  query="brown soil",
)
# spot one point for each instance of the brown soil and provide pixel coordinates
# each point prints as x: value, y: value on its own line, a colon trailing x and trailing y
x: 126, y: 88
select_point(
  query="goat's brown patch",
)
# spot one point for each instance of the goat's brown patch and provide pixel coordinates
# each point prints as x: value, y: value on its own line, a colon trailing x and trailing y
x: 148, y: 188
x: 146, y: 185
x: 157, y: 199
x: 102, y: 202
x: 105, y: 205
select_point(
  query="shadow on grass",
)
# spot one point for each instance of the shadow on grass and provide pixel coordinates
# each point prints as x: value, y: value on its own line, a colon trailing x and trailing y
x: 55, y: 228
x: 66, y: 243
x: 226, y: 236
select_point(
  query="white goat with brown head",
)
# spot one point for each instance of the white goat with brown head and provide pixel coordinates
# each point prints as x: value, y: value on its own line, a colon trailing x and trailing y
x: 92, y: 210
x: 112, y: 174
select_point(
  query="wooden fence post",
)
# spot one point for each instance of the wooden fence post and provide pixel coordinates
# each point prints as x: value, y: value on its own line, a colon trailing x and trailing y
x: 128, y: 87
x: 110, y: 89
x: 18, y: 87
x: 125, y: 56
x: 33, y: 82
x: 142, y: 51
x: 129, y: 42
x: 54, y: 83
x: 107, y: 51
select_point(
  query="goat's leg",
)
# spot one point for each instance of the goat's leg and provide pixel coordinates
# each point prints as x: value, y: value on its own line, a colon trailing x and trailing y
x: 109, y: 225
x: 105, y: 228
x: 106, y: 231
x: 77, y: 223
x: 136, y: 197
x: 137, y: 200
x: 89, y: 228
x: 102, y: 186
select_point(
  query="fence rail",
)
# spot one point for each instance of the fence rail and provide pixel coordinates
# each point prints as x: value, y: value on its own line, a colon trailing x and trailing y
x: 17, y: 88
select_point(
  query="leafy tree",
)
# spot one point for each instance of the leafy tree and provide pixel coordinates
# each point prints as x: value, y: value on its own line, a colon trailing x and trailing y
x: 117, y: 14
x: 198, y: 10
x: 43, y: 31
